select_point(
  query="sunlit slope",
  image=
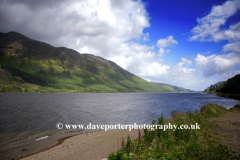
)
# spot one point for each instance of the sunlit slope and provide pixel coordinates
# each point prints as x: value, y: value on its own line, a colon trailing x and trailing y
x: 174, y: 88
x: 32, y: 66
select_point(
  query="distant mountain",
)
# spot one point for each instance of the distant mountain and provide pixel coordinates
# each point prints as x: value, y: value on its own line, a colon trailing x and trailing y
x: 231, y: 86
x: 216, y: 84
x: 174, y: 88
x: 28, y: 65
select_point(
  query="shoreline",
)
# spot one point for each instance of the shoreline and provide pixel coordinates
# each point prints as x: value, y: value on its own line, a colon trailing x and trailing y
x: 95, y: 145
x: 99, y: 144
x: 35, y: 144
x: 232, y: 96
x: 98, y: 92
x: 25, y: 148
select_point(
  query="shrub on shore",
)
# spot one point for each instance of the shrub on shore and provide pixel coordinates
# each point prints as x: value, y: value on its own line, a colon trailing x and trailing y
x: 212, y: 110
x: 179, y: 144
x: 237, y: 106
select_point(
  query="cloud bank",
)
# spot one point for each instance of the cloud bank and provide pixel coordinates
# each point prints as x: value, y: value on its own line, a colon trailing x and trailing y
x: 113, y: 29
x: 100, y: 27
x: 209, y: 28
x: 216, y: 64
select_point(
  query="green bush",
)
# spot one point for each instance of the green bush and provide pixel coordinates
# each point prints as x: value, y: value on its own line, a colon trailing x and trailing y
x: 179, y: 144
x: 10, y: 89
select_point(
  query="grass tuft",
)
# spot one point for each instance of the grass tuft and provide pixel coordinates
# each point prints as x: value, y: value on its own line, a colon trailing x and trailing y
x: 237, y: 106
x: 212, y: 110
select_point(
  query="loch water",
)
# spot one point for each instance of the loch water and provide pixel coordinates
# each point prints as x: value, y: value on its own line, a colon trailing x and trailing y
x: 22, y: 115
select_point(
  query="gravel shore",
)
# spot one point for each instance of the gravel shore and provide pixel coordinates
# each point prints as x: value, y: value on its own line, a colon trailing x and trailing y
x: 88, y: 146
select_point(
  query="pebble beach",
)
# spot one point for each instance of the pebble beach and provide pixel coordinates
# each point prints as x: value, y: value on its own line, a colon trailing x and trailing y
x: 91, y: 146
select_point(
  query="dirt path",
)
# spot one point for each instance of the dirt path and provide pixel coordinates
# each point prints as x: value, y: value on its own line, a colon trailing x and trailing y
x: 226, y: 128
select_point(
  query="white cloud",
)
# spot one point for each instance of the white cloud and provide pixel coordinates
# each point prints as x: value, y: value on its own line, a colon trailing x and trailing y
x: 168, y: 50
x: 146, y: 37
x: 208, y: 28
x: 104, y: 28
x: 154, y: 69
x: 146, y: 66
x: 134, y: 57
x: 99, y: 27
x: 166, y: 42
x: 230, y: 74
x: 216, y: 64
x: 235, y: 47
x: 161, y: 52
x: 184, y: 62
x: 175, y: 75
x: 201, y: 60
x: 233, y: 33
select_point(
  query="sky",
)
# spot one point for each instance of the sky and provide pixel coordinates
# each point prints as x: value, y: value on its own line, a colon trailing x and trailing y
x: 190, y: 44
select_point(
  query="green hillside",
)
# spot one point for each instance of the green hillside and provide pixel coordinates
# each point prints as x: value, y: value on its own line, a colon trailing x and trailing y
x: 231, y: 86
x: 174, y: 88
x: 27, y: 65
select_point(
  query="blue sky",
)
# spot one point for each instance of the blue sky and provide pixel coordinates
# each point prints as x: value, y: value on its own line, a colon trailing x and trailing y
x: 178, y: 18
x: 191, y: 44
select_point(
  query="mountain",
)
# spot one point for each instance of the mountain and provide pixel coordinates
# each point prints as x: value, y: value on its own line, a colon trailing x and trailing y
x: 174, y: 88
x: 215, y: 85
x: 231, y: 86
x: 27, y: 65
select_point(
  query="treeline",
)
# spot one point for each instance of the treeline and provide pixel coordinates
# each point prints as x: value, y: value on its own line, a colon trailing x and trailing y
x: 212, y: 89
x: 231, y: 86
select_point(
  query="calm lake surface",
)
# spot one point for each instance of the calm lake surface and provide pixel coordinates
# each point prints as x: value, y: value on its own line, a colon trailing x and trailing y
x: 37, y: 113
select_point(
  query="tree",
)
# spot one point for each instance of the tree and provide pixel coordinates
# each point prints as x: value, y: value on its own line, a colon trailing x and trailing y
x: 211, y: 88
